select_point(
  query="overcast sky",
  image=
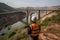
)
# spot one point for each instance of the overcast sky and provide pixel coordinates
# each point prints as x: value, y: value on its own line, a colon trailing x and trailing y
x: 31, y: 3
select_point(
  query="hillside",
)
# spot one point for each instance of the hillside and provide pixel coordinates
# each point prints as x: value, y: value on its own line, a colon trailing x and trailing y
x: 51, y: 19
x: 4, y: 8
x: 51, y: 27
x: 50, y: 30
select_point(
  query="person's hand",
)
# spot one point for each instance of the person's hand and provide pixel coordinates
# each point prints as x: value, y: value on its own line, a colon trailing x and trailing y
x: 26, y: 26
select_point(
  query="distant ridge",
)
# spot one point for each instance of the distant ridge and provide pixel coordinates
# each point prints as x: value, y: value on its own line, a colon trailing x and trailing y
x: 5, y: 8
x: 40, y: 8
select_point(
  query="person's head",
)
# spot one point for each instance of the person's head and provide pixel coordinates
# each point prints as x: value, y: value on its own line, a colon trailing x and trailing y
x: 33, y: 19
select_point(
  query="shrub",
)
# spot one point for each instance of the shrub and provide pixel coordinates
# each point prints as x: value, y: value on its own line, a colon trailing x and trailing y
x: 3, y: 37
x: 11, y: 34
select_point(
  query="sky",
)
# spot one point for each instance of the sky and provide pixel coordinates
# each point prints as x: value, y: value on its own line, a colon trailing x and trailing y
x: 31, y: 3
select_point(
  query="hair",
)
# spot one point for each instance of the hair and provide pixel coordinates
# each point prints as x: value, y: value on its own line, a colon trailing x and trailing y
x: 33, y: 21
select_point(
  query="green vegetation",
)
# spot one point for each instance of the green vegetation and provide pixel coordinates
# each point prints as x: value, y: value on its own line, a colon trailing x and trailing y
x: 51, y: 20
x: 11, y: 34
x: 16, y: 34
x: 21, y: 34
x: 55, y: 20
x: 3, y: 37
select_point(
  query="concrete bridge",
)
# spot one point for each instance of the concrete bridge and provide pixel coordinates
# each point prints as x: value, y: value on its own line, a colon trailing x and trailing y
x: 29, y: 12
x: 9, y: 18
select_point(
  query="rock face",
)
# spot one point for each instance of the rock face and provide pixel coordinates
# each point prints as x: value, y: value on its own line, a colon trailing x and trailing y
x: 10, y: 18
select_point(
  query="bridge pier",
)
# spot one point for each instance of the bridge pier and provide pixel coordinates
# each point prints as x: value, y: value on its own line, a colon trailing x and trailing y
x: 30, y: 18
x: 29, y: 13
x: 39, y: 15
x: 46, y: 12
x: 27, y: 17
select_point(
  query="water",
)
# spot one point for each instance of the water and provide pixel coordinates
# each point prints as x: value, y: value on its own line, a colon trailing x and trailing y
x: 18, y: 24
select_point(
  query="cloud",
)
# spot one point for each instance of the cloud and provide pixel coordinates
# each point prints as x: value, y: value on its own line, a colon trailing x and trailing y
x: 33, y: 3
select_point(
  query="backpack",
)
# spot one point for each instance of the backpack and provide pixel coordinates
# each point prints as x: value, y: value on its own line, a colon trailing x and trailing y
x: 28, y: 29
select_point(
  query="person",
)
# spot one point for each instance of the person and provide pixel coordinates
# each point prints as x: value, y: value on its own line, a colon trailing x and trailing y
x: 35, y: 29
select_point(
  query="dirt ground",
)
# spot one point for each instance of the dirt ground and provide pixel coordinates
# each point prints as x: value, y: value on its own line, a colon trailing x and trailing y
x: 51, y: 33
